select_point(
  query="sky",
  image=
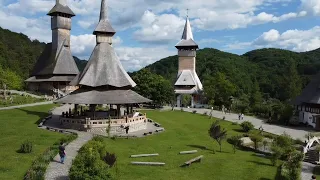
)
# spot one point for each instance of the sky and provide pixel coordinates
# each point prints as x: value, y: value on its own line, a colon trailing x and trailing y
x: 148, y: 30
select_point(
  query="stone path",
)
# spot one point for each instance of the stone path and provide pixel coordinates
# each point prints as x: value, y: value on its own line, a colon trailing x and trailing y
x: 26, y: 105
x: 58, y: 171
x: 296, y: 133
x: 307, y: 171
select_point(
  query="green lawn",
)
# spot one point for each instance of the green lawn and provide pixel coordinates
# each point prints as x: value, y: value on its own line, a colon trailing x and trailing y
x: 17, y: 126
x: 186, y: 131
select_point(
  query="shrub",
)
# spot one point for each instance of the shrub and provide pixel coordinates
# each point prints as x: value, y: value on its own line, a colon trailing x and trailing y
x: 98, y: 138
x: 256, y: 138
x: 110, y: 159
x: 26, y: 147
x: 235, y: 142
x: 246, y: 126
x: 194, y: 112
x: 89, y: 163
x: 205, y: 113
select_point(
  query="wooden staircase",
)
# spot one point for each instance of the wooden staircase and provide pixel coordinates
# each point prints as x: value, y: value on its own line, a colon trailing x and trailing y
x: 312, y: 156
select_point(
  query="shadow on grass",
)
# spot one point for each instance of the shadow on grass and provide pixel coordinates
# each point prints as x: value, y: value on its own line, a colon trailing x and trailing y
x: 316, y: 170
x: 199, y: 147
x: 260, y: 163
x: 41, y: 115
x: 265, y: 179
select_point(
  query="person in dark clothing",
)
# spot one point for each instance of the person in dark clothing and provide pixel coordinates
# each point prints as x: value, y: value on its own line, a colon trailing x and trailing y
x: 127, y: 129
x: 61, y: 152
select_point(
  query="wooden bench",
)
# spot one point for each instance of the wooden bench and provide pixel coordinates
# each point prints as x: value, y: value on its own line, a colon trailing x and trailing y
x: 144, y: 155
x: 196, y: 159
x: 149, y: 163
x: 188, y: 152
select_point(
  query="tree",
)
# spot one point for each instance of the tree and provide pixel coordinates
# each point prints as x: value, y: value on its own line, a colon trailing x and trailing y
x: 265, y: 143
x: 247, y: 126
x: 235, y: 141
x: 154, y: 87
x: 217, y: 133
x: 256, y: 96
x: 219, y: 88
x: 256, y: 138
x: 292, y: 81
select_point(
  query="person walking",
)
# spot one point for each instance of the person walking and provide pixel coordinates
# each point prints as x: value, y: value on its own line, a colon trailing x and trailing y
x: 242, y: 116
x: 62, y: 153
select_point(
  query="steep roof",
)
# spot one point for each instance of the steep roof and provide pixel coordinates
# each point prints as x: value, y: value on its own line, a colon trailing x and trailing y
x: 101, y: 96
x: 51, y: 78
x: 104, y: 25
x: 104, y: 68
x: 187, y: 37
x: 311, y: 93
x: 185, y: 79
x: 60, y: 8
x: 55, y: 62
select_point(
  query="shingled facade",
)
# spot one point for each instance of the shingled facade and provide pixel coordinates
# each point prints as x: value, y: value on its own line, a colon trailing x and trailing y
x: 188, y: 81
x: 56, y: 68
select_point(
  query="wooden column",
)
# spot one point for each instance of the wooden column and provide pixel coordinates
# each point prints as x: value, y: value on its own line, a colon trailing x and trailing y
x: 131, y: 109
x: 118, y: 111
x: 127, y: 109
x: 75, y: 110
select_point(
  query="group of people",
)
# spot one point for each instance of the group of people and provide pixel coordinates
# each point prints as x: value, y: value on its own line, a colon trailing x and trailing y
x: 241, y: 116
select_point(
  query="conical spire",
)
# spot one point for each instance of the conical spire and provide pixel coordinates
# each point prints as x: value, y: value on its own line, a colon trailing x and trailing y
x: 103, y: 11
x: 187, y: 32
x: 104, y: 25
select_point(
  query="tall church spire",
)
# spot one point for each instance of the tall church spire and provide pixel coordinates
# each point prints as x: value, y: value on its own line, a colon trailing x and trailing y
x: 187, y: 32
x: 104, y: 27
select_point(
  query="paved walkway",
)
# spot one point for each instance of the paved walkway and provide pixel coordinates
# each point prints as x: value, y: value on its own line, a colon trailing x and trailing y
x: 58, y: 171
x: 296, y: 133
x: 26, y: 105
x: 307, y: 171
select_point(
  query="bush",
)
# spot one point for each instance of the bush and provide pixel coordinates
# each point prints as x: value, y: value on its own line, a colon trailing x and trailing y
x: 110, y: 159
x: 194, y: 112
x: 246, y: 126
x: 26, y: 147
x: 89, y: 163
x: 205, y: 113
x: 256, y: 138
x: 98, y: 138
x: 235, y: 141
x: 234, y: 123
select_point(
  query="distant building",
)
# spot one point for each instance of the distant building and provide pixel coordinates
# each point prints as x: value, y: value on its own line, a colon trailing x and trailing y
x: 56, y: 68
x: 188, y: 81
x: 308, y: 104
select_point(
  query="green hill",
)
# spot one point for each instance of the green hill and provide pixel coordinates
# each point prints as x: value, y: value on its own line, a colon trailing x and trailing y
x: 18, y: 54
x: 270, y: 67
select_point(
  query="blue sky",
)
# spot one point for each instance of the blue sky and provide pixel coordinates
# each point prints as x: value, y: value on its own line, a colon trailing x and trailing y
x: 147, y: 30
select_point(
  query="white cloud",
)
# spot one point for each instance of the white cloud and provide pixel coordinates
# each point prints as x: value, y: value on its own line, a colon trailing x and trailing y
x: 296, y: 40
x: 159, y: 29
x: 312, y: 6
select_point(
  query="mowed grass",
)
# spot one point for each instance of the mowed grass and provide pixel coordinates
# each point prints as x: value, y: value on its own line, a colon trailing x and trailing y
x: 17, y: 126
x: 187, y: 131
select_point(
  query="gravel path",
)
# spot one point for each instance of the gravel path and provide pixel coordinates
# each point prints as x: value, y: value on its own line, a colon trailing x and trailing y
x: 307, y: 169
x: 58, y: 171
x: 26, y: 105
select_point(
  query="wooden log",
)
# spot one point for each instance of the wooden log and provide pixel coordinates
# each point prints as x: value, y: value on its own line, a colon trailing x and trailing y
x: 144, y: 155
x: 149, y: 163
x: 196, y: 159
x: 189, y: 152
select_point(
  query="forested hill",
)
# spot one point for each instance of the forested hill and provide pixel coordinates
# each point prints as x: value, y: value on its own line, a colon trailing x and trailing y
x: 273, y: 69
x: 18, y: 54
